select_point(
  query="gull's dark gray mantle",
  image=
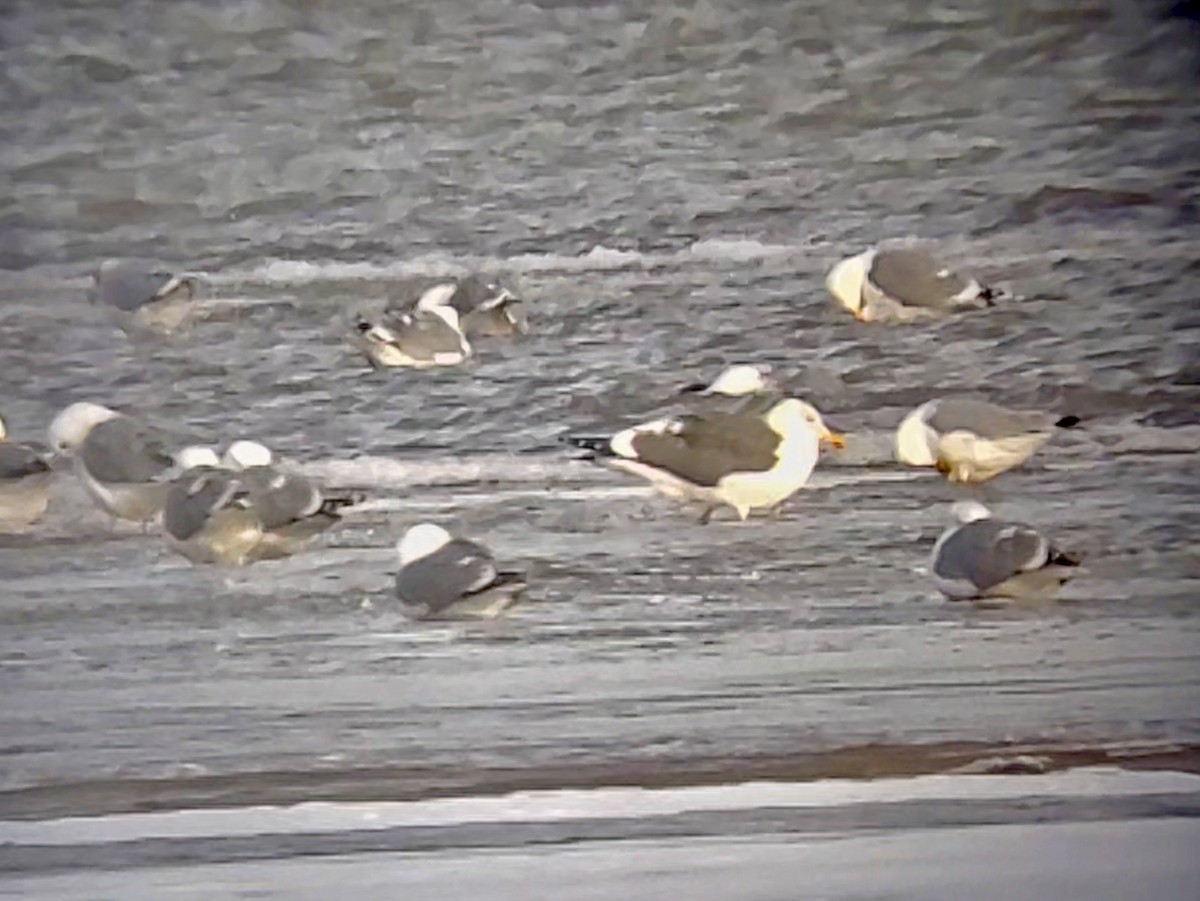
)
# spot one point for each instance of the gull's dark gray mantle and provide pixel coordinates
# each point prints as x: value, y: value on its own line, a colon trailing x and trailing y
x: 988, y: 420
x: 18, y: 461
x: 195, y: 496
x: 700, y: 449
x: 989, y: 557
x: 122, y: 450
x: 279, y: 497
x: 916, y: 278
x: 460, y: 578
x: 143, y: 295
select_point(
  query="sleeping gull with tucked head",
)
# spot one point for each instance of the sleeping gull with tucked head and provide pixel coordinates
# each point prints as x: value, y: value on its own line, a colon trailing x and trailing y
x: 485, y: 308
x: 903, y: 283
x: 430, y: 335
x: 242, y: 507
x: 24, y: 484
x: 144, y: 295
x: 971, y: 440
x: 205, y: 517
x: 982, y: 557
x: 738, y: 388
x: 124, y: 465
x: 744, y: 460
x: 441, y: 576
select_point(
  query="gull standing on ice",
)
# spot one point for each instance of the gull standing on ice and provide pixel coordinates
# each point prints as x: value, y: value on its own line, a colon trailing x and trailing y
x: 441, y: 576
x: 982, y: 557
x: 25, y: 478
x: 742, y: 460
x: 124, y: 466
x: 904, y: 283
x: 971, y: 440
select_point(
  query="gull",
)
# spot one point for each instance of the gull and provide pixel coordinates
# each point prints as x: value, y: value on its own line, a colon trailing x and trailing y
x: 124, y: 466
x: 25, y: 478
x: 744, y: 460
x: 900, y: 284
x: 441, y: 576
x: 241, y: 507
x: 982, y: 557
x: 144, y: 295
x: 430, y: 335
x: 971, y: 440
x: 750, y: 384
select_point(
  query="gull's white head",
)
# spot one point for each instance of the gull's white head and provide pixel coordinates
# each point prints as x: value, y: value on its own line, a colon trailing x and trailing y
x: 420, y: 541
x: 3, y: 430
x: 437, y: 296
x: 197, y: 455
x: 969, y: 511
x: 244, y: 454
x: 742, y: 379
x: 845, y: 281
x: 70, y: 428
x: 791, y: 415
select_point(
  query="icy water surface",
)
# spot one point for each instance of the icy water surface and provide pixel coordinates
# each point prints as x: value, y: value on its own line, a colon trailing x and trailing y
x: 666, y: 184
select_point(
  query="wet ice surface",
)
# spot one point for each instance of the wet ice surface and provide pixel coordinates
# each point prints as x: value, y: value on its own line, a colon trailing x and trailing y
x: 666, y: 189
x: 1092, y: 832
x: 1139, y: 858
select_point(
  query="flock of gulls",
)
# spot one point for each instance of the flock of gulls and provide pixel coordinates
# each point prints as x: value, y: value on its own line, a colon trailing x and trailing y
x: 746, y: 446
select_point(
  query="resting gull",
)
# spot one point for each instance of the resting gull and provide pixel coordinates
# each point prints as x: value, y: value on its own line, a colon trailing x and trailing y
x: 241, y: 507
x: 900, y: 284
x: 427, y: 336
x: 145, y: 295
x: 744, y: 460
x: 445, y: 577
x: 751, y: 385
x: 205, y: 517
x: 971, y: 440
x: 981, y: 557
x: 24, y: 484
x: 124, y: 465
x: 485, y: 308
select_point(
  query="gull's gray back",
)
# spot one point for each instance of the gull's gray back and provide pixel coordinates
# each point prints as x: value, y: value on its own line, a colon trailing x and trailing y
x: 987, y: 552
x: 914, y: 277
x: 18, y: 461
x: 423, y: 335
x: 984, y: 419
x: 279, y: 497
x: 194, y: 497
x: 458, y: 569
x: 129, y: 286
x: 122, y: 450
x: 705, y: 449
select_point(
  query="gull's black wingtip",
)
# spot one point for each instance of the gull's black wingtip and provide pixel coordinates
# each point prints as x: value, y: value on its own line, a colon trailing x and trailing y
x: 1064, y: 558
x: 1068, y: 422
x: 596, y: 447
